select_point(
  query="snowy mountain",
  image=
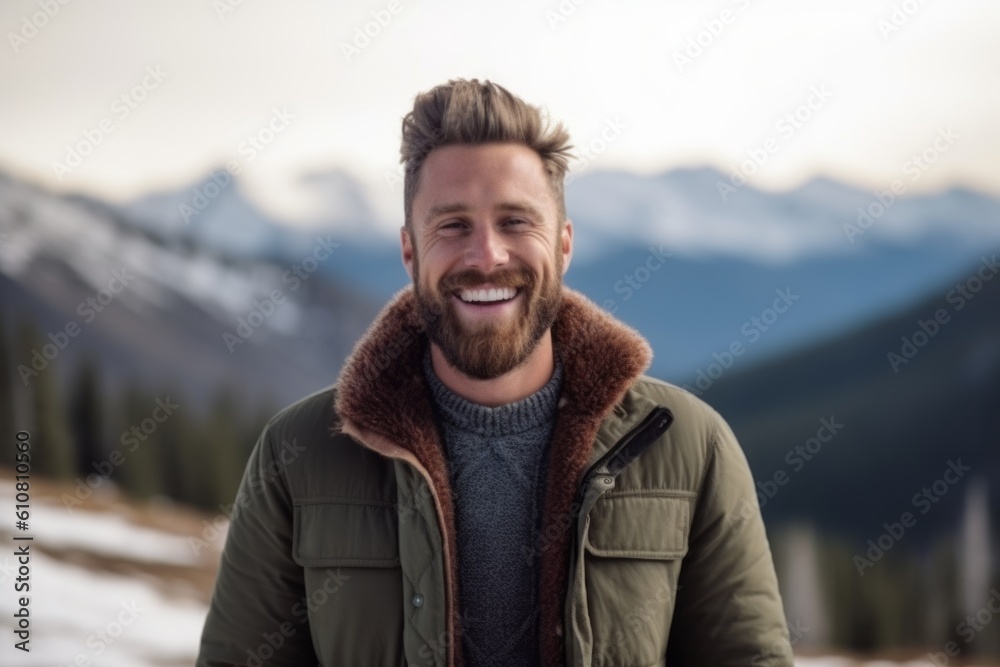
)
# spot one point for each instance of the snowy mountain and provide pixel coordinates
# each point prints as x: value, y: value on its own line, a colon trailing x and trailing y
x: 217, y: 214
x: 172, y: 311
x: 686, y: 210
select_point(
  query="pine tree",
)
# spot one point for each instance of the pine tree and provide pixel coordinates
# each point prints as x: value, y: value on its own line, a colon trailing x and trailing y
x: 87, y: 418
x: 7, y: 399
x: 224, y: 447
x: 191, y: 452
x: 174, y: 437
x: 139, y: 474
x: 52, y: 445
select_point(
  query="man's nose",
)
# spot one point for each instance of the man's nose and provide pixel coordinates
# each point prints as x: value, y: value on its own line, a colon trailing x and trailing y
x: 486, y: 250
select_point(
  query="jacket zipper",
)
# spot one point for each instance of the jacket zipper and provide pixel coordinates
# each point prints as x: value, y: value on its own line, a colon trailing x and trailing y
x: 630, y: 445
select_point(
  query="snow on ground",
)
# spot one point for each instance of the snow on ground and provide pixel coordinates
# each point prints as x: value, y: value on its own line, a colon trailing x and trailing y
x: 105, y: 590
x: 102, y: 533
x: 83, y: 617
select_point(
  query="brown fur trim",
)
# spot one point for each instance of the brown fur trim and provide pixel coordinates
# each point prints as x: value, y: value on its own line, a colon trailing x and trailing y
x: 383, y: 401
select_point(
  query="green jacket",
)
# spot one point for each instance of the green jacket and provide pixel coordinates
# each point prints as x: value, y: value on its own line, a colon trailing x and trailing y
x: 341, y: 547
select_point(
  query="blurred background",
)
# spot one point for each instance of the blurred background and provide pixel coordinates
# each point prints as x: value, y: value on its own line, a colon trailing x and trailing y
x: 797, y: 203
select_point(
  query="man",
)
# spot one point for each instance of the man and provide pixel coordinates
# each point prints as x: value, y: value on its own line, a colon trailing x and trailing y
x: 493, y: 480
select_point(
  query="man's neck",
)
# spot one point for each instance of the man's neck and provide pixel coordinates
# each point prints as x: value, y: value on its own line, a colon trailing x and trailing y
x: 519, y: 383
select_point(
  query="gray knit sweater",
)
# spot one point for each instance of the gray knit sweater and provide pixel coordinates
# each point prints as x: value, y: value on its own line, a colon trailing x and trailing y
x: 497, y: 464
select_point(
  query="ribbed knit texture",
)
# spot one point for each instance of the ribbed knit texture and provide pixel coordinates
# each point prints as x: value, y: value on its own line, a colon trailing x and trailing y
x: 497, y: 463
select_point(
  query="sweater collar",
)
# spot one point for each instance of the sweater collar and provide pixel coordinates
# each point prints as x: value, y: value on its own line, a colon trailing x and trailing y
x: 516, y: 417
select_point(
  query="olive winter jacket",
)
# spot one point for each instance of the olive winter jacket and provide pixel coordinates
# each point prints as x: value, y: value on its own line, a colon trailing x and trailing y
x: 652, y: 551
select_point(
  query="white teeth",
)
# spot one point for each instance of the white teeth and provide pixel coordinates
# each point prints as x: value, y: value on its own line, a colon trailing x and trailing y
x: 492, y: 294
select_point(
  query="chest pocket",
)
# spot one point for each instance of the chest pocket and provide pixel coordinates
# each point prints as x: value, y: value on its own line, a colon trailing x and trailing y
x: 349, y: 553
x: 635, y: 543
x: 345, y: 534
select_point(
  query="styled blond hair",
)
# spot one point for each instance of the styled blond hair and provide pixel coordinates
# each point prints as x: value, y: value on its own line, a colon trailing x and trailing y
x: 466, y: 111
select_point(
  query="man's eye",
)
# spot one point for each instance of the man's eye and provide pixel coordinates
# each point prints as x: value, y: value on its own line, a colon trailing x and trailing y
x: 514, y: 221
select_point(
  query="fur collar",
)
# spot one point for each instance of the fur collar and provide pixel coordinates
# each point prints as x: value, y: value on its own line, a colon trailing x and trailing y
x: 383, y: 402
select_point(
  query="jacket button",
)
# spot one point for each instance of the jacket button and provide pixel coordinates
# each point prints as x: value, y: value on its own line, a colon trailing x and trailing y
x: 418, y: 600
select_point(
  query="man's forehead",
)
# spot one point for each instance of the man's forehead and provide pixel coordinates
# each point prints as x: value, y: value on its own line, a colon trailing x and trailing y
x: 495, y: 177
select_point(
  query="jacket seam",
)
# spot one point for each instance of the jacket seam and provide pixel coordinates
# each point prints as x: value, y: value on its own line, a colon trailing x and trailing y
x: 340, y: 500
x: 666, y: 554
x: 713, y: 446
x: 286, y: 487
x: 650, y: 493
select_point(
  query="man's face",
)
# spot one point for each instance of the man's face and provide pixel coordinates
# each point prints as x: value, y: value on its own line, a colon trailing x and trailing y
x: 487, y: 255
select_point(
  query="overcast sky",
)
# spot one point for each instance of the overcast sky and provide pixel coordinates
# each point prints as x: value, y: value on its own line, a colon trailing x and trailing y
x: 873, y: 82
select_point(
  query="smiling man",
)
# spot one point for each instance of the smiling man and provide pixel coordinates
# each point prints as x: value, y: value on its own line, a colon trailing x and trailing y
x: 493, y: 479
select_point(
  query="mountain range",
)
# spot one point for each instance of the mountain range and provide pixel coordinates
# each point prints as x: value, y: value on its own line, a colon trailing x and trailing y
x: 693, y: 272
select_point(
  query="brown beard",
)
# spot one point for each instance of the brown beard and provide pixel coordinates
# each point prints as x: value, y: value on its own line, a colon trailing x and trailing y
x: 493, y: 348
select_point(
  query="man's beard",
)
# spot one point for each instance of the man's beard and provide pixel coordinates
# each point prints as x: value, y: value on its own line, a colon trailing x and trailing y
x: 493, y: 347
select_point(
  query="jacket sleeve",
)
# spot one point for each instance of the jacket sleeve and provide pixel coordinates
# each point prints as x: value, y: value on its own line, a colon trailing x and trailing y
x: 728, y: 609
x: 257, y: 615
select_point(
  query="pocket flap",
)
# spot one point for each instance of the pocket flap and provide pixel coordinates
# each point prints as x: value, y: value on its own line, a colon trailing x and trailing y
x: 640, y: 525
x: 347, y: 534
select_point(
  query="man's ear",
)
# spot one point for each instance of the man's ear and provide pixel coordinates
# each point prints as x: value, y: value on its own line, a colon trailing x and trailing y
x: 406, y: 248
x: 566, y: 244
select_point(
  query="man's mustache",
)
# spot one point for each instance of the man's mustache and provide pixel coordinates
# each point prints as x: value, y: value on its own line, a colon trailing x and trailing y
x: 472, y: 278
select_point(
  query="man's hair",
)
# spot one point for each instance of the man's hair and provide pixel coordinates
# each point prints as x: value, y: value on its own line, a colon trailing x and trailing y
x: 474, y: 112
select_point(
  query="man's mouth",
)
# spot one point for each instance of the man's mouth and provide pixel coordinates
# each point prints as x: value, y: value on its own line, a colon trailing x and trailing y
x: 486, y: 296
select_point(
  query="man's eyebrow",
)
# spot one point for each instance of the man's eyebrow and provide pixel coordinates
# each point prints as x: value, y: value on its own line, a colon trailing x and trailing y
x: 502, y: 207
x: 518, y: 207
x: 445, y: 209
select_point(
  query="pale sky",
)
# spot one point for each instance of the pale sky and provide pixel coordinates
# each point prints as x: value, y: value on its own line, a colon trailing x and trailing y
x: 884, y: 78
